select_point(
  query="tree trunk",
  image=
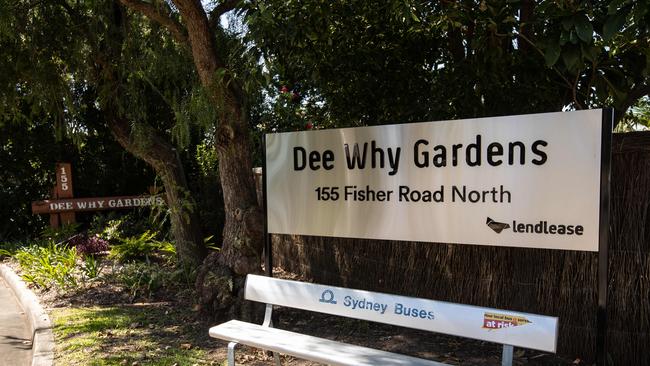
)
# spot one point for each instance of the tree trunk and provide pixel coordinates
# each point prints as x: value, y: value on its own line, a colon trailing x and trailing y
x: 221, y: 278
x: 162, y: 157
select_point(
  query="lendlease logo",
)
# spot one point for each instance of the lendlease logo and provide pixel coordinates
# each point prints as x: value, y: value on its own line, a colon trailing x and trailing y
x: 539, y: 227
x: 496, y: 226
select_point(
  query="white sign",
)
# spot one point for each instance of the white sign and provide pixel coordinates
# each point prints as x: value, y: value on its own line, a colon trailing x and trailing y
x: 493, y: 325
x: 518, y: 181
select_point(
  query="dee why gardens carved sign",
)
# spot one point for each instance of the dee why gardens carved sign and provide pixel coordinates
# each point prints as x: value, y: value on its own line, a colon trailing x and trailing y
x: 62, y: 207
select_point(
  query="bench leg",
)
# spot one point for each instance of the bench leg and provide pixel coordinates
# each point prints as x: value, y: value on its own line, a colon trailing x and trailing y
x: 506, y: 359
x: 231, y: 353
x: 276, y: 358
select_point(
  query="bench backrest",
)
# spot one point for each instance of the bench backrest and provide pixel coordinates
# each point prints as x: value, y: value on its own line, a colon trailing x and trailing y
x: 492, y: 325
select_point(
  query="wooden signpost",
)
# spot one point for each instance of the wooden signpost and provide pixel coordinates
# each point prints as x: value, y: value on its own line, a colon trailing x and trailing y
x: 63, y: 189
x: 62, y: 207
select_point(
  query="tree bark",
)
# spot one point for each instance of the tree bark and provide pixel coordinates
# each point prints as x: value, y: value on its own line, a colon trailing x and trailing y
x: 162, y: 157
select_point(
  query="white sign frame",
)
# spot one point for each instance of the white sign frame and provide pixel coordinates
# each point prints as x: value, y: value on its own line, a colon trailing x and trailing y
x: 568, y: 221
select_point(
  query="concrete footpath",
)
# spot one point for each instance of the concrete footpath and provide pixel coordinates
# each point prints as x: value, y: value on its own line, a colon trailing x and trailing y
x: 15, y: 336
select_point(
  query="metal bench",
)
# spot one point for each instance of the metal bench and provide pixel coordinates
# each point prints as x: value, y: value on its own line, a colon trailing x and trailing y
x: 500, y: 326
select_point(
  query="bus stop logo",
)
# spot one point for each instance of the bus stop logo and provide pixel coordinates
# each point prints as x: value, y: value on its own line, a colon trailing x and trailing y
x: 499, y: 321
x: 327, y: 297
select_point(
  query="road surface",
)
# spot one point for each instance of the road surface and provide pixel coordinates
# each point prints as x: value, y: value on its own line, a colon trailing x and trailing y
x: 15, y: 338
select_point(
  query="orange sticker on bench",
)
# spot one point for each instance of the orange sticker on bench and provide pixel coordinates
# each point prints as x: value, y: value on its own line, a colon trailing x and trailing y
x: 499, y: 321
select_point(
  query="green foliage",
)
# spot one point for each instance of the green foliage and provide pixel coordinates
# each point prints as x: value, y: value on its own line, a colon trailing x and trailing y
x: 142, y: 247
x: 206, y: 159
x: 48, y: 265
x: 362, y: 64
x: 91, y: 267
x: 60, y: 234
x: 48, y: 113
x: 209, y: 243
x: 600, y: 50
x: 27, y: 160
x: 146, y: 279
x: 53, y: 57
x: 368, y: 63
x: 8, y: 248
x: 115, y: 226
x: 638, y: 119
x: 141, y: 279
x: 105, y: 227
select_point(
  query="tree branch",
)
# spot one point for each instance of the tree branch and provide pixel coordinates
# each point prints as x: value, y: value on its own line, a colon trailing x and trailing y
x: 150, y: 11
x: 638, y: 92
x: 220, y: 10
x: 76, y: 16
x: 532, y: 44
x: 574, y: 92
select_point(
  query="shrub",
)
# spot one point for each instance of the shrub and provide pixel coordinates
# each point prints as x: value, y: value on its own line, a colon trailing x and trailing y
x: 87, y: 245
x: 59, y: 234
x: 142, y: 247
x: 107, y: 230
x: 150, y: 279
x: 7, y: 249
x: 112, y: 227
x: 45, y: 266
x: 142, y: 279
x: 91, y: 267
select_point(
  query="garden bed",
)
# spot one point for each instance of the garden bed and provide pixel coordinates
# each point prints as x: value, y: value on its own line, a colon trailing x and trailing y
x: 100, y: 325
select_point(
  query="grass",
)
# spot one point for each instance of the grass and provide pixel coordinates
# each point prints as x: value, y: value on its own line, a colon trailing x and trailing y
x: 129, y: 335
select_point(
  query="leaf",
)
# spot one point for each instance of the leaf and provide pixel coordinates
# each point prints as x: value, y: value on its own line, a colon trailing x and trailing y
x: 614, y: 24
x: 571, y: 57
x: 614, y: 5
x: 564, y: 38
x: 552, y: 54
x: 584, y: 28
x: 615, y: 90
x: 590, y: 52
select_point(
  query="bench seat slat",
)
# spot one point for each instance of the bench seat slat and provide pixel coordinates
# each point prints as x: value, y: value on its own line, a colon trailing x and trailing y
x: 309, y: 347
